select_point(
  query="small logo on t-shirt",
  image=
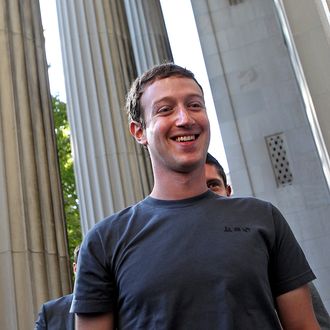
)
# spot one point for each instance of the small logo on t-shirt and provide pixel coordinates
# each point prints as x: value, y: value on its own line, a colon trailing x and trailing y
x: 236, y: 229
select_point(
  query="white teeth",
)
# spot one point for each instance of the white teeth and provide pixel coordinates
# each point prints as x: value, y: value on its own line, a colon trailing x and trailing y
x: 185, y: 138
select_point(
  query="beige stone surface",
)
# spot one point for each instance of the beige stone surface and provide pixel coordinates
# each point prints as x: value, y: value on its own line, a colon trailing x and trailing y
x: 33, y: 248
x: 310, y: 29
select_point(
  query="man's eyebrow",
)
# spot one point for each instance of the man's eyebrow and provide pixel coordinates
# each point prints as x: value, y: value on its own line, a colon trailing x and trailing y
x: 200, y: 97
x: 161, y: 100
x: 214, y: 181
x: 170, y: 98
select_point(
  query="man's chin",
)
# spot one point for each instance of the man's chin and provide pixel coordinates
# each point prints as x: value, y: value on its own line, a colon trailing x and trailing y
x: 188, y: 165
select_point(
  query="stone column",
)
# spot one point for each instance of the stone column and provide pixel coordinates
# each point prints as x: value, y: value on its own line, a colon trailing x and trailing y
x: 148, y: 32
x: 111, y: 170
x: 309, y: 43
x: 33, y: 250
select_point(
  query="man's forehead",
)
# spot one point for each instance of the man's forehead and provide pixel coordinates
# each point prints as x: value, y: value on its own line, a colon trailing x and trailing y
x: 212, y: 171
x: 168, y: 87
x: 168, y: 81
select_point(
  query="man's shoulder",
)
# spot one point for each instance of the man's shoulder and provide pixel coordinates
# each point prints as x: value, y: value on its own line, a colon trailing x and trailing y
x: 113, y: 226
x: 63, y: 301
x: 248, y: 207
x: 119, y: 218
x: 55, y: 314
x: 247, y: 202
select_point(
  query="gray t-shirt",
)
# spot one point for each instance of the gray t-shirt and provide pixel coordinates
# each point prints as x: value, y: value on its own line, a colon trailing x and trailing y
x: 206, y: 262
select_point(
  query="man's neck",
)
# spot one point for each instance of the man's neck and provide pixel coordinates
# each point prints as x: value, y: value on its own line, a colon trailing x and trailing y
x: 177, y: 185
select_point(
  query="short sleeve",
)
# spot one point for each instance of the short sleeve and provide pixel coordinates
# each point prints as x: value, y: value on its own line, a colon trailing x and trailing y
x: 94, y: 289
x: 289, y: 268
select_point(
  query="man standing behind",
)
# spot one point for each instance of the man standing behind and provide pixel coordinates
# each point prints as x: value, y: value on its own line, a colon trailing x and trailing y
x: 216, y: 181
x: 55, y: 314
x: 183, y: 258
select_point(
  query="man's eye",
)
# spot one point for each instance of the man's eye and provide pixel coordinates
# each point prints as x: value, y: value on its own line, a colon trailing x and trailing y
x: 195, y: 105
x: 214, y: 185
x: 164, y: 110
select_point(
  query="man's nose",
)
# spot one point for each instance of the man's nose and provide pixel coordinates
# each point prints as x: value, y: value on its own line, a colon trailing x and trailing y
x: 184, y: 117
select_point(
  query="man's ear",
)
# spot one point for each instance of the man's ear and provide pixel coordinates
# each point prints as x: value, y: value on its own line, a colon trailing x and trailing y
x: 138, y: 132
x: 228, y: 190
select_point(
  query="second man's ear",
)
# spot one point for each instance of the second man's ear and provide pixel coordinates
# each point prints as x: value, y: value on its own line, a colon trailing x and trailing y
x: 138, y: 132
x: 228, y: 190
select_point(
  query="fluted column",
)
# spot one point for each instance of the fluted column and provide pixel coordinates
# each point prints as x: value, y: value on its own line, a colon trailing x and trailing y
x: 148, y: 33
x: 33, y: 249
x: 112, y: 172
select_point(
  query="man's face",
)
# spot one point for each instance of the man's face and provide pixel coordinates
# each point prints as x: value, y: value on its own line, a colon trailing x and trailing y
x: 215, y: 182
x: 177, y: 129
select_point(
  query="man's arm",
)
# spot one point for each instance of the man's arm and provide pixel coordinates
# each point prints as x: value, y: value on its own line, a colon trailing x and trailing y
x: 41, y: 322
x: 95, y: 322
x: 296, y: 311
x: 320, y: 311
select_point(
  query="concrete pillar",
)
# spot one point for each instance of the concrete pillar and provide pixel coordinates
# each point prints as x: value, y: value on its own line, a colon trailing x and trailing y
x: 112, y: 171
x: 308, y: 34
x: 33, y: 250
x: 148, y: 33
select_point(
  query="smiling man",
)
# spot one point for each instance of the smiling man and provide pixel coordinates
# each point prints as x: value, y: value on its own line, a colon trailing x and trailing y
x: 184, y: 258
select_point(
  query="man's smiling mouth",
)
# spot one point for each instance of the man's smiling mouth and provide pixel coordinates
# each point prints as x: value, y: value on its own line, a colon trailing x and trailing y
x: 186, y: 138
